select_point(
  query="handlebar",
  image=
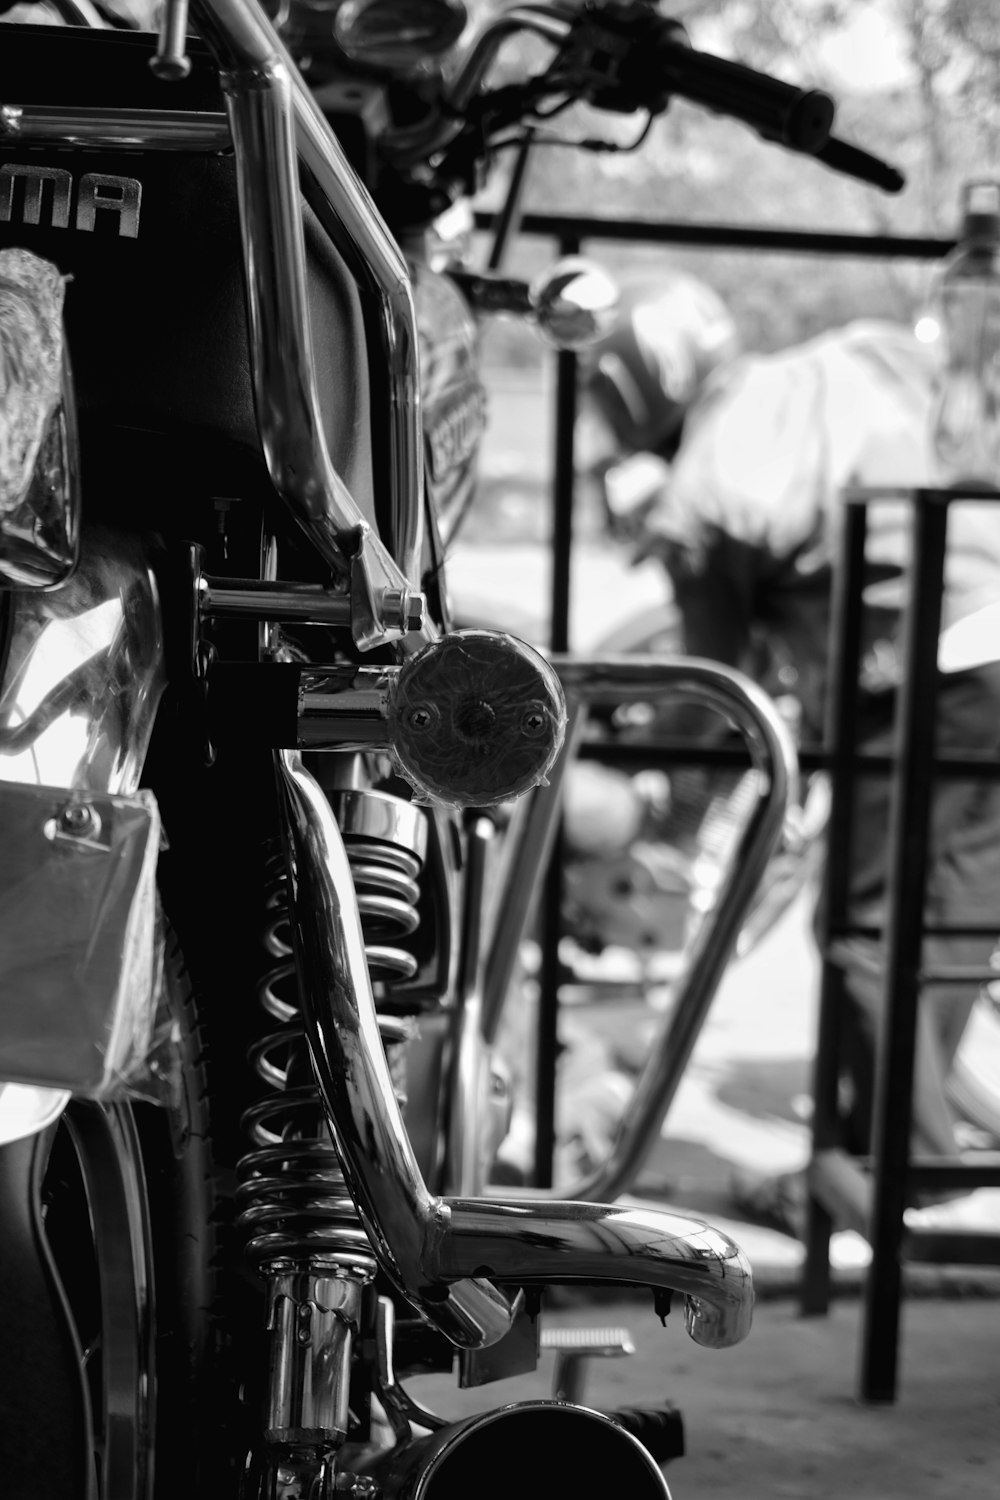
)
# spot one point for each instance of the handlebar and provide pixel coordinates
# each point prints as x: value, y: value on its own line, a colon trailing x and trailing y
x: 794, y: 117
x: 624, y: 55
x: 797, y: 118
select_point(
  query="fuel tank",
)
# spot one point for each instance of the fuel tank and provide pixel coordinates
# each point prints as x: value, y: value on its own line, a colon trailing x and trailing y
x: 452, y: 394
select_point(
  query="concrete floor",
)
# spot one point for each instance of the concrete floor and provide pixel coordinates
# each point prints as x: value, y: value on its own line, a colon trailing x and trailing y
x: 776, y: 1418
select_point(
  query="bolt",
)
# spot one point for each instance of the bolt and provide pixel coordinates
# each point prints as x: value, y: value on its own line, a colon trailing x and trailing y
x: 413, y: 611
x: 78, y: 819
x: 170, y: 69
x: 422, y: 718
x: 357, y: 1486
x: 402, y: 609
x: 533, y: 722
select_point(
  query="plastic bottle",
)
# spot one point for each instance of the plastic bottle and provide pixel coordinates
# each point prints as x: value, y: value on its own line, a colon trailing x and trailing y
x: 966, y: 420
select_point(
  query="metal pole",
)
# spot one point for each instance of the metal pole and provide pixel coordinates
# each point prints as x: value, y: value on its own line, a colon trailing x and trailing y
x: 909, y: 843
x: 559, y: 637
x: 840, y: 737
x: 731, y: 236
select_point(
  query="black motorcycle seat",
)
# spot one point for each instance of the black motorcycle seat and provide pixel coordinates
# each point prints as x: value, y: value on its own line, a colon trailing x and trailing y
x: 156, y: 309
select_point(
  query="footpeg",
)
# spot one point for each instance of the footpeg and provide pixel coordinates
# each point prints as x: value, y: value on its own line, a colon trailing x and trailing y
x: 574, y: 1346
x: 660, y: 1429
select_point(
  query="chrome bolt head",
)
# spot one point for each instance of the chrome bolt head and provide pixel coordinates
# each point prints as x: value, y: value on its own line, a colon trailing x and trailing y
x: 78, y: 819
x: 402, y: 609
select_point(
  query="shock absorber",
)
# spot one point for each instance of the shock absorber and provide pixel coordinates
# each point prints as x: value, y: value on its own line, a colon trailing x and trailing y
x: 386, y: 840
x: 303, y: 1232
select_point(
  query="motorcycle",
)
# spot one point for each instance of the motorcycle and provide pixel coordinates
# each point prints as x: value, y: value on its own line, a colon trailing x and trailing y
x: 272, y: 826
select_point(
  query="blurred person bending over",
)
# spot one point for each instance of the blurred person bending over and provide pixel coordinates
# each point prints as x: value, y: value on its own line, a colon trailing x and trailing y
x: 757, y: 453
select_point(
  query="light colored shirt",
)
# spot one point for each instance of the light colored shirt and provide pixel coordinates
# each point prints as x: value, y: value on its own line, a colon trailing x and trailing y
x: 750, y: 519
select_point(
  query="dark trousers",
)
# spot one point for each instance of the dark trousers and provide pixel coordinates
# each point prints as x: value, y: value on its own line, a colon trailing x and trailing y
x: 962, y: 889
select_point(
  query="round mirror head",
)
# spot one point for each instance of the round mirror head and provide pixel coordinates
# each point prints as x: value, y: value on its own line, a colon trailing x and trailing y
x: 398, y: 34
x: 574, y: 303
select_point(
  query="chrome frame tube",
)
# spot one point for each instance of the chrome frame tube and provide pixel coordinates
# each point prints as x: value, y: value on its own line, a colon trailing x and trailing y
x: 121, y: 129
x: 345, y: 209
x: 527, y: 1241
x: 468, y: 1077
x: 527, y: 848
x: 270, y: 109
x: 288, y: 417
x: 437, y: 1250
x: 344, y: 709
x: 250, y: 598
x: 643, y: 679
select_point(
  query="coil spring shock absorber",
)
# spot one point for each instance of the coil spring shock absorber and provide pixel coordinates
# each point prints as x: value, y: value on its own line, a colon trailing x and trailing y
x: 292, y: 1194
x: 303, y: 1231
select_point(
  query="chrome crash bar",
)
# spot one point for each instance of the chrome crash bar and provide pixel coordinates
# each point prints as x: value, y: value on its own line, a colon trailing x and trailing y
x: 273, y: 117
x: 275, y: 125
x: 636, y: 679
x: 444, y: 1253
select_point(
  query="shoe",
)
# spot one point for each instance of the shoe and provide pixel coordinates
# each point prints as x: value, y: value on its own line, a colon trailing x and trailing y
x: 976, y: 1212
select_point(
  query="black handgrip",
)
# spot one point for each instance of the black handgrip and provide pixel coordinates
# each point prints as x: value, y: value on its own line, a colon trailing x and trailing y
x: 798, y: 118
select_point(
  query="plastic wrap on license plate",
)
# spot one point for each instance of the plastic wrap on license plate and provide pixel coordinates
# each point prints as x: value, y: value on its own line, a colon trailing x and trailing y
x: 78, y: 950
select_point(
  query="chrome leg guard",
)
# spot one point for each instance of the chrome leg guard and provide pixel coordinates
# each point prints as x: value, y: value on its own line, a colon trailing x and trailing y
x: 402, y: 1219
x: 439, y: 1251
x: 645, y: 679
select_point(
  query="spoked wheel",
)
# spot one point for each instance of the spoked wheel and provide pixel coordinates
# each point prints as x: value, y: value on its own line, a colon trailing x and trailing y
x: 126, y: 1203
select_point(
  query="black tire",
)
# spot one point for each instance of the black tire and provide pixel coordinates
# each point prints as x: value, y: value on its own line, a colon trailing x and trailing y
x: 130, y: 1205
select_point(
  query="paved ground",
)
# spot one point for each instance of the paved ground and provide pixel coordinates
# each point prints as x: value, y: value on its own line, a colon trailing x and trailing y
x: 775, y: 1418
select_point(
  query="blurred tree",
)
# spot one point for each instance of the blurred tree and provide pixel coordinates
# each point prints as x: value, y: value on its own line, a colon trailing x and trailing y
x: 917, y: 81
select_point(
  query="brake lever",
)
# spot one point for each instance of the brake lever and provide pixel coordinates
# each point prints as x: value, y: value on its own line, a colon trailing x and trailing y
x: 853, y: 162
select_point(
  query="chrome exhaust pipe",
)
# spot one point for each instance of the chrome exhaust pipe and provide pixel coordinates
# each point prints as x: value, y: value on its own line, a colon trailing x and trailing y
x: 545, y: 1448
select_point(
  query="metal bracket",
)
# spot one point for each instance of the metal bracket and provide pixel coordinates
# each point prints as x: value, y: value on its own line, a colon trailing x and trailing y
x: 574, y: 1346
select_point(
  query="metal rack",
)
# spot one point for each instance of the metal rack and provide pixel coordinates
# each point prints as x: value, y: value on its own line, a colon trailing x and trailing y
x: 870, y: 1194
